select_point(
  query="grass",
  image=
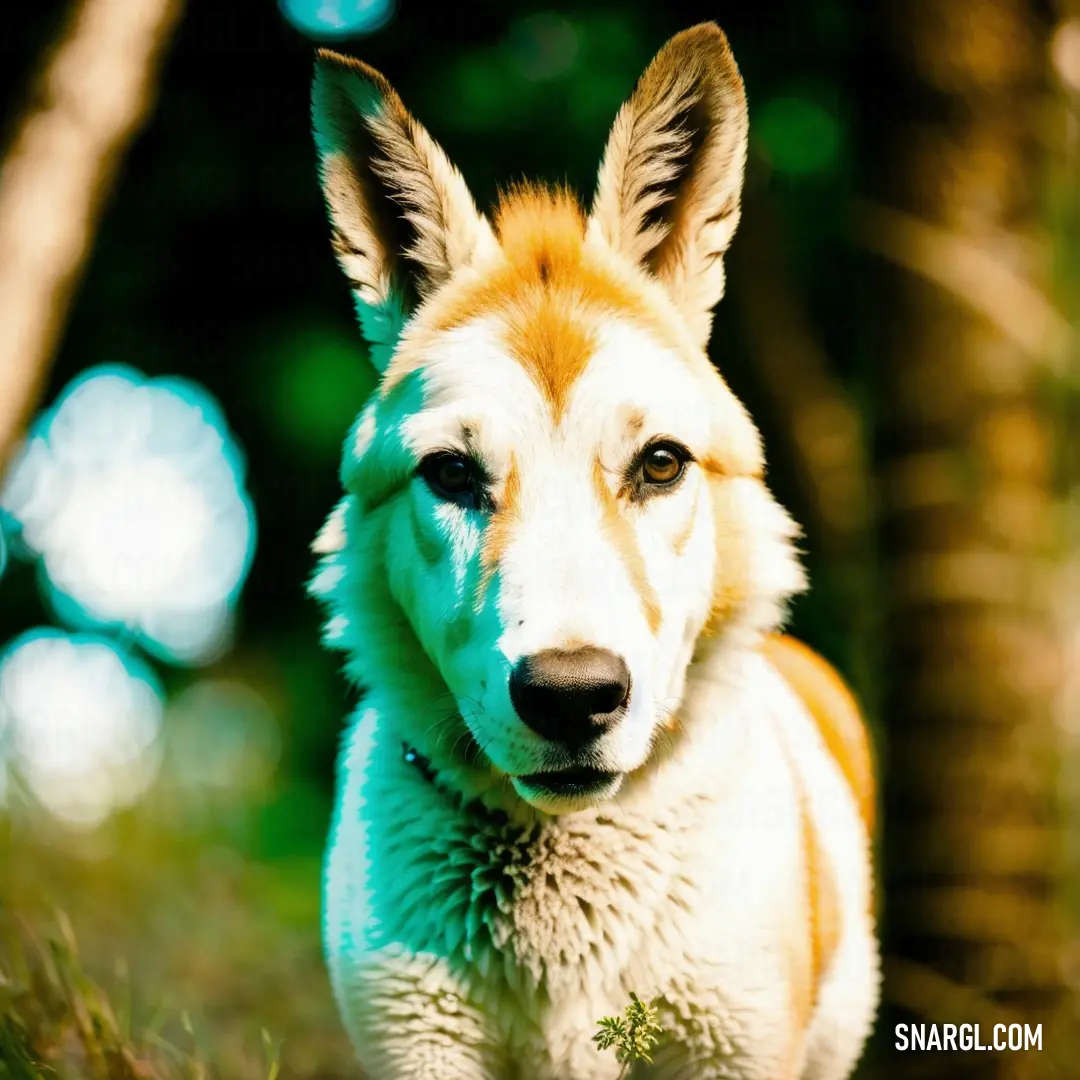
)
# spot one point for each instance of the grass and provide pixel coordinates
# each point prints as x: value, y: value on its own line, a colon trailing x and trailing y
x: 56, y: 1022
x: 145, y: 957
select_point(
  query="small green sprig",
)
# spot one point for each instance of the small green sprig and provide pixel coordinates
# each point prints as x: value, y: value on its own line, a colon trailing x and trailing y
x: 633, y: 1034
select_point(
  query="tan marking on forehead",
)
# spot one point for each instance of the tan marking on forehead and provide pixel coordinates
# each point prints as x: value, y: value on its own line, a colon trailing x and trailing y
x: 552, y: 346
x: 499, y: 529
x: 621, y: 534
x: 546, y: 268
x: 541, y: 231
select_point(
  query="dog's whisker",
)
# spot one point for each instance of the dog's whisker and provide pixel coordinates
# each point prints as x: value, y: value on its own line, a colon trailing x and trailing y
x: 439, y: 722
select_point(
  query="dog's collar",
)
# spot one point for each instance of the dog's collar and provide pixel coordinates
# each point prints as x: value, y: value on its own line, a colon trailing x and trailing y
x: 493, y: 815
x: 419, y: 762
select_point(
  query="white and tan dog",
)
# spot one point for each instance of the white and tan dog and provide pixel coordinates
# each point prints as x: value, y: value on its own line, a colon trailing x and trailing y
x: 585, y: 765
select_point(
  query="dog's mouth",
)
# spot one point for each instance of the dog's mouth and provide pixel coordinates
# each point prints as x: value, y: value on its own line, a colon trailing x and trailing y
x: 580, y: 783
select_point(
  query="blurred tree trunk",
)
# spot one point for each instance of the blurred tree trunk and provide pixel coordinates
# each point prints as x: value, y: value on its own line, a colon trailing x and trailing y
x: 970, y: 532
x: 88, y: 103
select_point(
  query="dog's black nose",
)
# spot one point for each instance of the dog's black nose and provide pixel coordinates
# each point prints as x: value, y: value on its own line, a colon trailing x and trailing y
x: 570, y: 696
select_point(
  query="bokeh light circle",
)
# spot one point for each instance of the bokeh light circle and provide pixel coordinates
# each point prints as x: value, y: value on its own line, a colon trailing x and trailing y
x: 79, y: 724
x: 131, y: 491
x: 803, y: 136
x: 1065, y: 53
x: 334, y: 19
x: 543, y: 45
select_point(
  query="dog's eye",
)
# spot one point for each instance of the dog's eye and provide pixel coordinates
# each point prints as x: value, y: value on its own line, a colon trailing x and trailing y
x: 453, y: 477
x: 662, y: 465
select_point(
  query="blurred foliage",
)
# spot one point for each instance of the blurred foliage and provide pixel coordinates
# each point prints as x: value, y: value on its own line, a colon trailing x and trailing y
x: 319, y: 380
x: 801, y: 135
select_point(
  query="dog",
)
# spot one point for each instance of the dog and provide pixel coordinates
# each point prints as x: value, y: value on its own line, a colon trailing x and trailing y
x: 586, y: 763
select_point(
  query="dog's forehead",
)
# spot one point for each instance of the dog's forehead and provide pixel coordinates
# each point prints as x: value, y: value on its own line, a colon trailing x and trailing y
x: 547, y: 287
x: 625, y: 386
x: 557, y: 335
x: 473, y: 390
x: 641, y: 388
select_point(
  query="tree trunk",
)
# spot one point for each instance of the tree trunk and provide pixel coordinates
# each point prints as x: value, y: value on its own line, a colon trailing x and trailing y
x: 90, y: 100
x: 970, y: 534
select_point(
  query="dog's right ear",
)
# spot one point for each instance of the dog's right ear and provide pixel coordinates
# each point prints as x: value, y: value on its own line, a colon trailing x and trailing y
x: 667, y: 197
x: 402, y: 217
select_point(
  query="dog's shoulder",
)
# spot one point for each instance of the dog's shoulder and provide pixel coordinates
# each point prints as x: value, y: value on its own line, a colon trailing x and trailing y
x: 834, y: 709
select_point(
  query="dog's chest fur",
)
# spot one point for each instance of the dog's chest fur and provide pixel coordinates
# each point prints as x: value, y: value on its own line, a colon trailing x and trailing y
x: 545, y: 925
x: 559, y: 894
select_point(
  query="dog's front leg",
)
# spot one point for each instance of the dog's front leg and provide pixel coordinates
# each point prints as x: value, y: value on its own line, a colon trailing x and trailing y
x: 410, y: 1019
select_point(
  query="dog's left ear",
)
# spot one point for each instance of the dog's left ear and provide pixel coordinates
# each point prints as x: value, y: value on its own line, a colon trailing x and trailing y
x: 668, y: 193
x: 403, y: 219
